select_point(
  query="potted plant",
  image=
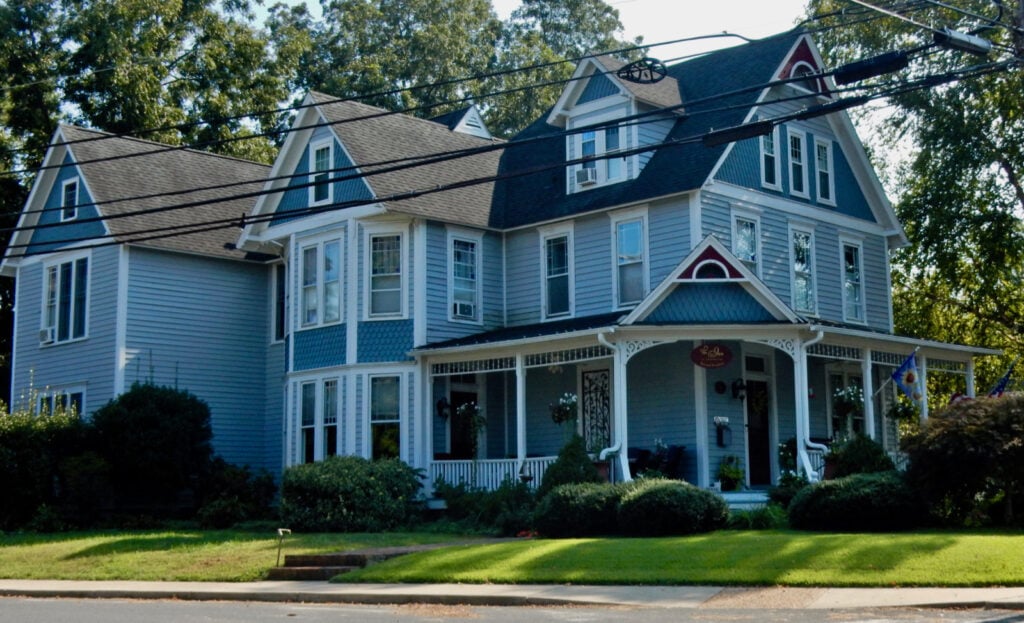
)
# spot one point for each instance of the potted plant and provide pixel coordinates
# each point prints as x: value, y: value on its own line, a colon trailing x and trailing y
x: 847, y: 401
x: 730, y: 473
x: 902, y: 411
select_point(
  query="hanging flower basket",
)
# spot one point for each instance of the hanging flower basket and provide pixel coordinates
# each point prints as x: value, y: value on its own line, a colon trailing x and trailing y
x: 565, y: 409
x: 848, y: 400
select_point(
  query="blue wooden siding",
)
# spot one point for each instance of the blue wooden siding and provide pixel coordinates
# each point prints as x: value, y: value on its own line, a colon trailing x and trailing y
x: 384, y: 340
x: 544, y: 437
x: 501, y: 421
x: 598, y: 86
x: 669, y: 237
x: 89, y: 362
x: 320, y: 348
x: 192, y: 324
x: 523, y: 296
x: 724, y: 405
x: 709, y: 303
x: 47, y: 238
x: 273, y: 406
x: 661, y: 401
x: 296, y: 197
x: 785, y: 399
x: 593, y: 240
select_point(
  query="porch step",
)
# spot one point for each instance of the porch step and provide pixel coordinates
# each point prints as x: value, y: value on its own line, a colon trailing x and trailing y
x: 315, y: 567
x: 745, y: 500
x: 307, y: 574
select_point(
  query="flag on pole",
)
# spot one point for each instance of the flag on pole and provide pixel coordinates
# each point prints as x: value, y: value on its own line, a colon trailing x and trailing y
x: 907, y: 379
x: 1000, y: 386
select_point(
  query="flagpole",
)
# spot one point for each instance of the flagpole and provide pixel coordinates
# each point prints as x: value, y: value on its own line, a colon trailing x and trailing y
x: 890, y: 379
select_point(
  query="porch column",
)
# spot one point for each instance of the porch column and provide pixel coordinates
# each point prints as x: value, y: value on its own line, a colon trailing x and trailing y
x: 620, y: 384
x: 520, y: 412
x: 970, y: 377
x: 869, y: 394
x: 801, y: 408
x: 922, y: 371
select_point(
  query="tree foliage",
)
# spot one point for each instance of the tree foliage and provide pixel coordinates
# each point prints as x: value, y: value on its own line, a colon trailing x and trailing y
x: 961, y: 188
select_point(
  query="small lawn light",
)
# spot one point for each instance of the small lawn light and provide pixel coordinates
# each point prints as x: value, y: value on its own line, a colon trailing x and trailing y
x: 280, y: 540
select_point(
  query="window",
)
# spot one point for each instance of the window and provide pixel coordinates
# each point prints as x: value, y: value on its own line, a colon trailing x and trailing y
x: 611, y: 144
x: 797, y: 164
x: 853, y: 284
x: 308, y: 427
x: 279, y: 276
x: 745, y: 242
x: 465, y: 279
x: 320, y: 160
x: 330, y: 426
x: 844, y: 425
x: 770, y: 160
x: 803, y: 272
x: 386, y: 275
x: 69, y: 200
x: 602, y: 170
x: 321, y: 283
x: 385, y: 416
x: 630, y: 269
x: 70, y: 400
x: 823, y: 160
x: 557, y: 275
x: 66, y: 295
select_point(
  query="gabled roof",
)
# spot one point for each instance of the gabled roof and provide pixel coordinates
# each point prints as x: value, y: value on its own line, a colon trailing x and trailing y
x: 702, y: 83
x: 129, y: 167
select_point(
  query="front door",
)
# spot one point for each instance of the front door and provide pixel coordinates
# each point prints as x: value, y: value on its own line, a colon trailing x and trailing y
x: 759, y: 457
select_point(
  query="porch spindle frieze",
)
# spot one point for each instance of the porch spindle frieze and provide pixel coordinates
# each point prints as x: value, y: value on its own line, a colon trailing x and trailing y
x: 572, y: 355
x: 500, y: 364
x: 946, y: 365
x: 635, y: 347
x: 888, y: 358
x: 835, y: 351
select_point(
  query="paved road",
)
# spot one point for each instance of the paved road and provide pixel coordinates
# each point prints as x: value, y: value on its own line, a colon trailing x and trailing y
x: 29, y: 610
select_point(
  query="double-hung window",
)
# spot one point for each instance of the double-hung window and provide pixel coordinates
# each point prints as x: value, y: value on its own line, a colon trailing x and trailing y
x: 803, y: 271
x: 307, y: 407
x: 770, y: 160
x: 597, y: 143
x: 386, y: 284
x: 630, y: 260
x: 823, y: 162
x: 797, y: 164
x: 465, y: 278
x: 385, y: 417
x: 279, y: 282
x: 853, y: 283
x: 746, y: 242
x: 318, y: 419
x: 330, y: 423
x: 66, y: 294
x: 69, y: 200
x: 556, y: 248
x: 321, y: 283
x: 68, y: 400
x: 320, y: 161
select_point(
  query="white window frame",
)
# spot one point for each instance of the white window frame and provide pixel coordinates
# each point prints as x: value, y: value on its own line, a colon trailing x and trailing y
x: 64, y: 213
x: 320, y: 283
x: 50, y: 326
x: 368, y: 410
x: 860, y: 310
x: 829, y: 172
x: 48, y: 397
x: 477, y: 240
x: 812, y: 271
x: 278, y: 302
x: 797, y: 166
x: 326, y: 413
x: 369, y: 233
x: 773, y: 137
x: 601, y: 164
x: 314, y: 147
x: 551, y: 233
x: 311, y: 426
x: 621, y: 218
x: 750, y: 217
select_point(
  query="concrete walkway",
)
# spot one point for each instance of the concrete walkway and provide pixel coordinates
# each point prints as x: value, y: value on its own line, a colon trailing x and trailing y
x: 515, y: 595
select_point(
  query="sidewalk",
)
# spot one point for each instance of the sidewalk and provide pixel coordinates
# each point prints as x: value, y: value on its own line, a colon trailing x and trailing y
x: 518, y: 595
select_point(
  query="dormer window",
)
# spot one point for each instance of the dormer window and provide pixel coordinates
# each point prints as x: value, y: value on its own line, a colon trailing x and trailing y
x: 594, y: 144
x: 320, y: 159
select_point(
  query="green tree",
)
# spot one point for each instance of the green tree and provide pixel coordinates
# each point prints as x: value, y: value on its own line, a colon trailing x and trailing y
x: 961, y: 191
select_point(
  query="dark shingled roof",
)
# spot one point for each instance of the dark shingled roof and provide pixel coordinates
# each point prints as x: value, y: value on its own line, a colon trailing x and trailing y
x: 165, y: 171
x: 383, y: 137
x: 524, y: 332
x: 541, y: 196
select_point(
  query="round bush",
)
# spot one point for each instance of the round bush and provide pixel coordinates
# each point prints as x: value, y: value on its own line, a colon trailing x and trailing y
x: 878, y: 502
x: 573, y: 465
x: 859, y: 455
x: 349, y: 494
x: 580, y: 509
x: 670, y: 507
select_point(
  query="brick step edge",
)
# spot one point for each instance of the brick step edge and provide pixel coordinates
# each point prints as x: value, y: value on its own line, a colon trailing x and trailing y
x: 327, y: 560
x: 308, y: 573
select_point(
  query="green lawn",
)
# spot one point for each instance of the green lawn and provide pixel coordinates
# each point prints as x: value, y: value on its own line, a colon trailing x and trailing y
x: 934, y: 558
x: 727, y: 558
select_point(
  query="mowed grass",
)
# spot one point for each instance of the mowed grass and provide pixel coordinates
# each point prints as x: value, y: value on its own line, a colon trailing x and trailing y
x: 185, y: 555
x: 726, y: 558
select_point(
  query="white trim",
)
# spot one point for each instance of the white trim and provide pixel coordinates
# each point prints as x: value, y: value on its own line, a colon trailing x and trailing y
x: 741, y: 214
x: 121, y: 320
x: 616, y: 219
x: 695, y: 213
x: 275, y: 268
x: 846, y: 241
x: 574, y: 148
x: 831, y: 199
x: 700, y: 407
x: 475, y: 238
x: 301, y: 226
x: 311, y: 150
x: 419, y: 295
x: 400, y: 374
x: 63, y: 194
x: 67, y: 389
x: 801, y: 137
x: 566, y: 230
x: 319, y: 243
x: 795, y: 228
x: 58, y: 260
x: 777, y: 160
x: 374, y: 230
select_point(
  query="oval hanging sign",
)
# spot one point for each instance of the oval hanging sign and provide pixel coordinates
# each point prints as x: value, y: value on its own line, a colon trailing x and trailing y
x: 711, y: 355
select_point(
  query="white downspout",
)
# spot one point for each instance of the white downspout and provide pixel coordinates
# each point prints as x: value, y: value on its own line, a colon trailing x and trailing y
x: 619, y: 407
x: 803, y: 422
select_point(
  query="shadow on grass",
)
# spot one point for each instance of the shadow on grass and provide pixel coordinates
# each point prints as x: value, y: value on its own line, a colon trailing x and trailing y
x: 162, y: 542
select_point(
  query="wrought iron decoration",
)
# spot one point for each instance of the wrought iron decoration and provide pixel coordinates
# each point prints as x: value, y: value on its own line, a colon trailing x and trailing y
x: 644, y: 71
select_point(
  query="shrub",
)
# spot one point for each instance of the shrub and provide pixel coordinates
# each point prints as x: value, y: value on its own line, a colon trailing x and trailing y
x: 506, y: 511
x: 233, y: 494
x: 859, y: 455
x: 875, y: 502
x: 670, y: 507
x: 573, y: 465
x: 349, y: 494
x: 157, y: 442
x: 768, y: 517
x: 969, y: 455
x: 789, y: 485
x: 581, y: 509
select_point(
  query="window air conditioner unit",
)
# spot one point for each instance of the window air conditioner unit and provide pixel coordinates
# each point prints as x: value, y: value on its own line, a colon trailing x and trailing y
x: 464, y: 310
x: 586, y: 176
x: 47, y: 335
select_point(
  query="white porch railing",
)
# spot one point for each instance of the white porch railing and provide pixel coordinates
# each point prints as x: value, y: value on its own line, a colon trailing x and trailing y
x: 489, y: 473
x: 899, y: 459
x: 817, y: 459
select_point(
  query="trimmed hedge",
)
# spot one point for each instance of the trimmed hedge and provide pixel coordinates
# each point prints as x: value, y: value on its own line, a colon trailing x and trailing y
x: 859, y: 455
x: 573, y: 465
x: 670, y: 507
x: 878, y: 502
x: 580, y: 509
x: 349, y: 494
